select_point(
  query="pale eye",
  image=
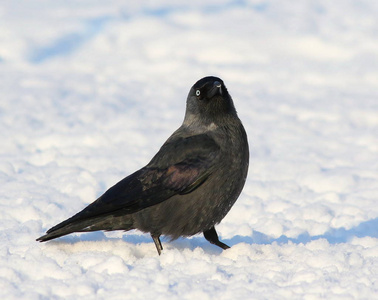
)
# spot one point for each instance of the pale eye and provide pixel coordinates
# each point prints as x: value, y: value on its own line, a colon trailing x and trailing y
x: 198, y: 93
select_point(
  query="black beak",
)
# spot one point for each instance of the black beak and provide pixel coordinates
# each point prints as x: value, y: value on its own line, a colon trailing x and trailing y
x: 214, y: 90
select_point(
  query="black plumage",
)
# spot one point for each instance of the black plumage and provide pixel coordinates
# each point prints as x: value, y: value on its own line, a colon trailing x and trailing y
x: 188, y: 186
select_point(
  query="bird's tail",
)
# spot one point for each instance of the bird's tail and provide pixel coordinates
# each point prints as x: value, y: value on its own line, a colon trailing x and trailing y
x: 73, y: 224
x: 53, y: 235
x: 66, y: 227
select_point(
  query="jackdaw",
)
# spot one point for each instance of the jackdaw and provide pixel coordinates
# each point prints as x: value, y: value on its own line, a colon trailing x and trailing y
x: 189, y: 185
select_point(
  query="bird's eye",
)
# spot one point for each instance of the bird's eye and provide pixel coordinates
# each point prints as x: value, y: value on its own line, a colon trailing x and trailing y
x: 198, y: 92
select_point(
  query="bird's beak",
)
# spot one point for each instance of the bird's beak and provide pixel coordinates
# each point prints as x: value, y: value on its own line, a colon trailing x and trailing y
x: 216, y: 89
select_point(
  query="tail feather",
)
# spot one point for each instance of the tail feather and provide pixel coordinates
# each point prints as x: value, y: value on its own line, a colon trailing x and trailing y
x: 51, y: 236
x: 65, y: 228
x: 76, y: 224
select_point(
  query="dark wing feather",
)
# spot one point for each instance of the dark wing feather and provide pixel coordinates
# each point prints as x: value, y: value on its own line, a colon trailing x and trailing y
x: 180, y: 166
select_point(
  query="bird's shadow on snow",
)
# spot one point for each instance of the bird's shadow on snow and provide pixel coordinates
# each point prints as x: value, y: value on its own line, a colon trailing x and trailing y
x: 333, y: 236
x: 181, y: 243
x: 137, y: 239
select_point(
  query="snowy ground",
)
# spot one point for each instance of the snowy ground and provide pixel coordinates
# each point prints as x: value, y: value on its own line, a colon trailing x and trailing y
x: 91, y: 89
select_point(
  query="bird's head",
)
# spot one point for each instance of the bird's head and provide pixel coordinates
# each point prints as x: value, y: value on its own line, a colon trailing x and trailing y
x: 208, y: 102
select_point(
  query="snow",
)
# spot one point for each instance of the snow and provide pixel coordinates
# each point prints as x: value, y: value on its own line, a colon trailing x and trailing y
x: 91, y: 89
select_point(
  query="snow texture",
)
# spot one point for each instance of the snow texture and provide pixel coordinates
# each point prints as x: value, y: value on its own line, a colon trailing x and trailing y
x: 91, y: 89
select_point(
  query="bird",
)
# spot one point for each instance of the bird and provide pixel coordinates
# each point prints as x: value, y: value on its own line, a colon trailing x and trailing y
x: 189, y: 185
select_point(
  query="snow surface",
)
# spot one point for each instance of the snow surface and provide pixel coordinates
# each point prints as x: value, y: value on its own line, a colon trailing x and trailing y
x: 91, y: 89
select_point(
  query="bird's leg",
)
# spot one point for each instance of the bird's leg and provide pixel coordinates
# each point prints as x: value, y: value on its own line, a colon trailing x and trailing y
x: 212, y: 236
x: 157, y: 242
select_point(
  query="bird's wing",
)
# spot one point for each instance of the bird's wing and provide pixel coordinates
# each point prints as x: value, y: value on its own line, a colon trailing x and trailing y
x: 179, y: 167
